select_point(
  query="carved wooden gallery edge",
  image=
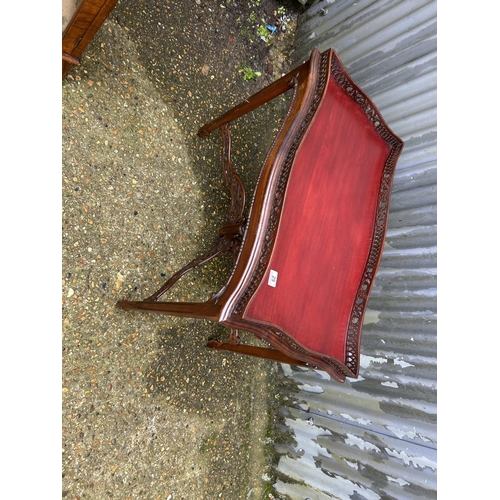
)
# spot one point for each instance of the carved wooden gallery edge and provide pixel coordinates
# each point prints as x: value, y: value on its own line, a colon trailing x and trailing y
x: 251, y: 240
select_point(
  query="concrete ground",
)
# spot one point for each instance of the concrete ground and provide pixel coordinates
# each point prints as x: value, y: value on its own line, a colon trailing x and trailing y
x: 148, y: 411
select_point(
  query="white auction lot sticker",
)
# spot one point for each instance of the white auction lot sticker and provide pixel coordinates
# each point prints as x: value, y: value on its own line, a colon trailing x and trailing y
x: 273, y: 278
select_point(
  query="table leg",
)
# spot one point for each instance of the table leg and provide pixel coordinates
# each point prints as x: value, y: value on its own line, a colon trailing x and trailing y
x: 268, y: 93
x: 203, y: 310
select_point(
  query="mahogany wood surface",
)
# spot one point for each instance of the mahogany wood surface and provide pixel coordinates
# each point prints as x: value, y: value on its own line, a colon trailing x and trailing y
x: 204, y: 310
x: 82, y: 28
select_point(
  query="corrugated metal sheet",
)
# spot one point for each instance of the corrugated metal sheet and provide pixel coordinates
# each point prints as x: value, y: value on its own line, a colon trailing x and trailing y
x: 375, y: 437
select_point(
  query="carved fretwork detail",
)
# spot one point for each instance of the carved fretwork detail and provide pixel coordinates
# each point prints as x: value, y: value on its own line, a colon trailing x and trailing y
x: 359, y: 305
x: 338, y: 369
x: 232, y: 232
x: 279, y: 196
x: 335, y: 365
x: 232, y: 180
x: 361, y: 99
x: 293, y: 85
x: 221, y: 245
x: 235, y: 246
x: 354, y: 328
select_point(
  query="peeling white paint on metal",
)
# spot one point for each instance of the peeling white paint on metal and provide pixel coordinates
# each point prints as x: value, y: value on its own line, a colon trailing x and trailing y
x: 387, y: 245
x: 390, y: 384
x: 336, y: 487
x: 371, y: 317
x: 302, y: 492
x: 398, y: 480
x: 420, y: 462
x: 315, y: 389
x: 392, y: 56
x: 417, y: 360
x: 396, y: 232
x: 360, y: 420
x: 402, y: 363
x: 408, y: 434
x: 350, y: 488
x: 306, y: 435
x: 410, y: 252
x: 307, y: 446
x: 400, y: 433
x: 427, y: 312
x: 425, y: 407
x: 287, y: 369
x: 365, y: 361
x: 354, y: 465
x: 360, y: 443
x: 429, y: 292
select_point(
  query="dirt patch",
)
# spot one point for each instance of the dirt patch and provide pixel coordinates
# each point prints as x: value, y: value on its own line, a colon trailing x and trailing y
x: 182, y: 39
x: 148, y: 411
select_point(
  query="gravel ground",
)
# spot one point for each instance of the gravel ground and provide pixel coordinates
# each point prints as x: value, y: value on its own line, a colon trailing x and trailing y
x: 148, y: 411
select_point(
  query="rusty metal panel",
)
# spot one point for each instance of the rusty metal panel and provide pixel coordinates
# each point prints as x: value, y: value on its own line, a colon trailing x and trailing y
x: 375, y: 437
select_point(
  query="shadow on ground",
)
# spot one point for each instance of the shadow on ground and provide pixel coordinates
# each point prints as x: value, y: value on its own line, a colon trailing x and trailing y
x: 148, y: 411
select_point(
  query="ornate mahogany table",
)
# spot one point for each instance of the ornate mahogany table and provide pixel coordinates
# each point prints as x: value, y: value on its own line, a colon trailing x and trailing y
x: 306, y: 255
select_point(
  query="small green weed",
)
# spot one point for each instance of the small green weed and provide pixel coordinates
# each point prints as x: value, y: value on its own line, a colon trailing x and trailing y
x: 249, y: 73
x: 246, y: 31
x: 263, y: 33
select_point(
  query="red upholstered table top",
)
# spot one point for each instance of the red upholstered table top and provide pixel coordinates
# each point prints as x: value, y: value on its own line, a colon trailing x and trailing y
x: 326, y: 228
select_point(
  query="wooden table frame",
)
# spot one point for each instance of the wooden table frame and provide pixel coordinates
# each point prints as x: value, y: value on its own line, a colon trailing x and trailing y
x: 320, y: 82
x: 81, y: 29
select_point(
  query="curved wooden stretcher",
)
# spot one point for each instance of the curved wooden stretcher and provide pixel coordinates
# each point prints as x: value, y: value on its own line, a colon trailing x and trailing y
x: 306, y: 255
